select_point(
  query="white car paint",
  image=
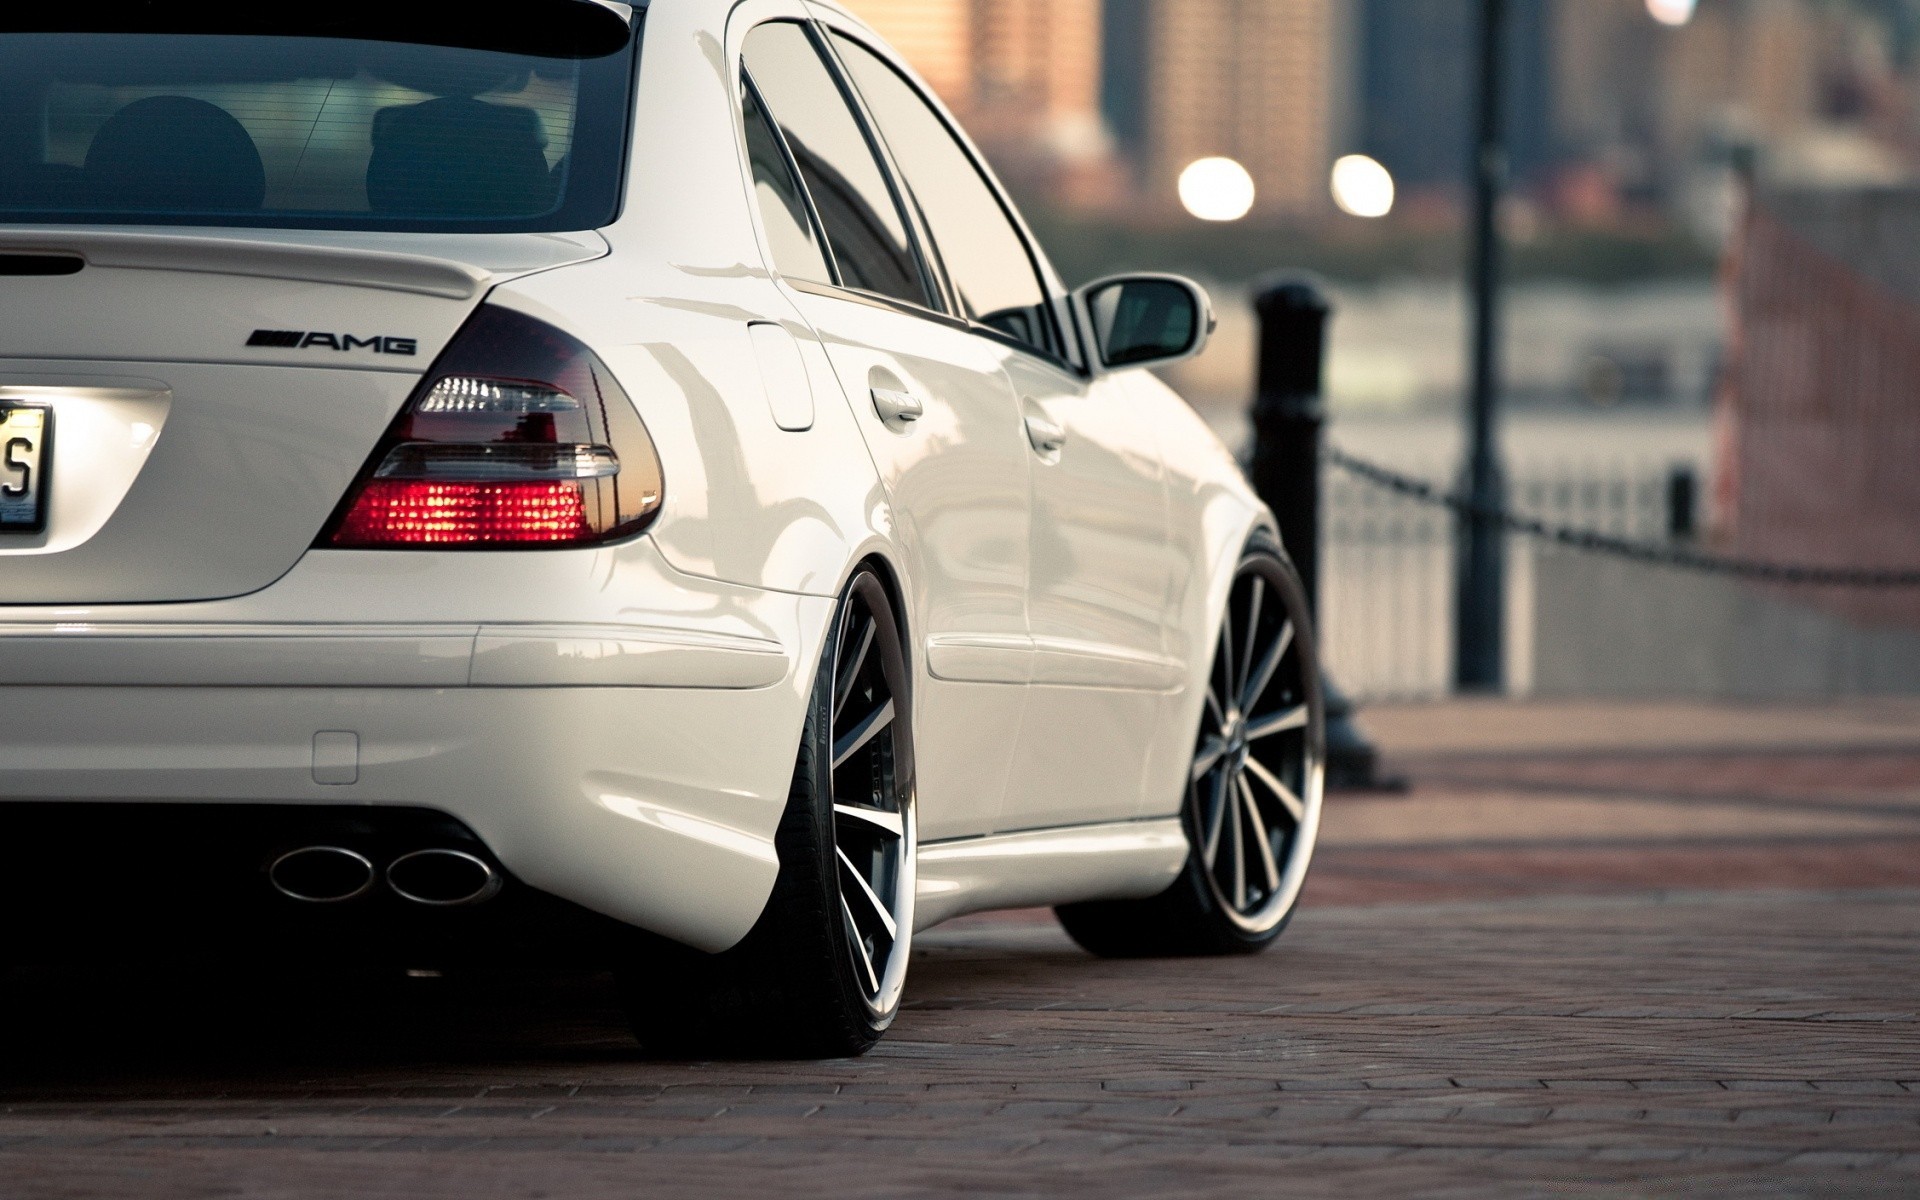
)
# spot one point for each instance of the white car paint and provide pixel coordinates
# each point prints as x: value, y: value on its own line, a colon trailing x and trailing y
x: 617, y: 724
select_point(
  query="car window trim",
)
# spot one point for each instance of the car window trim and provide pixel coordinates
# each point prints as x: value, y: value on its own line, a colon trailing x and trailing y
x: 835, y: 291
x: 837, y: 288
x: 933, y: 269
x: 799, y: 177
x: 1029, y: 349
x: 929, y: 282
x: 952, y: 289
x: 930, y: 246
x: 1035, y: 260
x: 624, y: 184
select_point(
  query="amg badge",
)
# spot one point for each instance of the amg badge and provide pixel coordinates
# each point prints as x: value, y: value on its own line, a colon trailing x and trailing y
x: 300, y: 339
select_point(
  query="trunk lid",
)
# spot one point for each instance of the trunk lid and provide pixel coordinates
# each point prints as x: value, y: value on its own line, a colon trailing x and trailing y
x: 193, y: 404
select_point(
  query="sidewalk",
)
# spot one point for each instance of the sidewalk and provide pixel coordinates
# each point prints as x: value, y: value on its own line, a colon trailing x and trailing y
x: 1595, y: 951
x: 1524, y: 799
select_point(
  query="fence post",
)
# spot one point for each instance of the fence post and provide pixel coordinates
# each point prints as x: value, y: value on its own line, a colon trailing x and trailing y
x: 1284, y: 465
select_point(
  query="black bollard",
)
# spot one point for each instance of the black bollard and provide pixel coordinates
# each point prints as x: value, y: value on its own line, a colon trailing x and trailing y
x: 1287, y: 417
x: 1683, y: 490
x: 1284, y: 465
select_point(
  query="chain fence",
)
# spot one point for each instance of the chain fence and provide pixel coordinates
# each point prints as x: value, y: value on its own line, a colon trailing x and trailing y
x: 1666, y: 554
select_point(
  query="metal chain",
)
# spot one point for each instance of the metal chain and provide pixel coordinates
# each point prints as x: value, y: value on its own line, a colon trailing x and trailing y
x: 1664, y: 554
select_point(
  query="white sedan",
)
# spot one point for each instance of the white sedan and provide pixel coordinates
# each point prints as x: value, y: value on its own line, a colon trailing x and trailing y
x: 607, y: 481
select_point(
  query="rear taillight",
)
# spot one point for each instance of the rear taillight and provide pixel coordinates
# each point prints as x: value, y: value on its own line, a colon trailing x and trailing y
x: 518, y: 436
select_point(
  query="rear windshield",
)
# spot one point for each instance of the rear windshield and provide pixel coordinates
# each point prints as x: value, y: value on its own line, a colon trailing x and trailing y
x: 308, y: 132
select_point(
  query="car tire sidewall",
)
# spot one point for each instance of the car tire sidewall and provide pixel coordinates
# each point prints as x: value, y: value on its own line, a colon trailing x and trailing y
x: 1221, y: 926
x: 808, y: 832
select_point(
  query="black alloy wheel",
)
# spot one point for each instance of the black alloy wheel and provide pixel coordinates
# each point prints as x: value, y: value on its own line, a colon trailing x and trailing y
x: 1254, y: 800
x: 871, y: 791
x: 821, y: 973
x: 1252, y: 806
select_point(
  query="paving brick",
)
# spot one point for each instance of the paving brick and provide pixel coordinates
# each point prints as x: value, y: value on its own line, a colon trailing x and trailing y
x: 1545, y: 970
x: 1842, y: 1159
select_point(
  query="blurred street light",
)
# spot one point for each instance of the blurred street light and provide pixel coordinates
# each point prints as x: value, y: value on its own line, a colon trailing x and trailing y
x: 1362, y: 187
x: 1672, y: 12
x: 1480, y: 571
x: 1216, y: 189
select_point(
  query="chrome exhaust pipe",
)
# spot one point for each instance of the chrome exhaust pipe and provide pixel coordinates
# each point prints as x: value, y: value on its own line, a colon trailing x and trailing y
x: 322, y: 874
x: 443, y: 878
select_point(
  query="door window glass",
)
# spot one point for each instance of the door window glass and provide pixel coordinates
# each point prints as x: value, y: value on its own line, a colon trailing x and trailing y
x: 983, y: 253
x: 864, y: 224
x: 783, y: 206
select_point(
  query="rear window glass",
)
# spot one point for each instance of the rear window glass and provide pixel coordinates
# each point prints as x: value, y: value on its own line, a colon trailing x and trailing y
x: 307, y: 132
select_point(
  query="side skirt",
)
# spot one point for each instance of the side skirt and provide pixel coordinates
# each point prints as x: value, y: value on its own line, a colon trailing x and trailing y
x: 1121, y: 861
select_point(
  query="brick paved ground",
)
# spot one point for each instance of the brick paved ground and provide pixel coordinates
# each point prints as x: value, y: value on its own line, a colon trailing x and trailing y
x: 1594, y: 951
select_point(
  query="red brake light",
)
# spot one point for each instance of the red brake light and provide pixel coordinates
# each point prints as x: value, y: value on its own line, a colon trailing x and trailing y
x: 518, y: 436
x: 416, y: 513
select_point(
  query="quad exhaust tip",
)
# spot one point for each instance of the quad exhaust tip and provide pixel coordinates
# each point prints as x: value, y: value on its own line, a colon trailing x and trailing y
x: 443, y: 878
x: 322, y: 874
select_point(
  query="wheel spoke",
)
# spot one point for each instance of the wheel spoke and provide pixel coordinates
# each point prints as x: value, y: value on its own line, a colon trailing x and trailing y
x: 1279, y: 722
x: 843, y: 686
x: 865, y: 890
x: 1269, y: 663
x: 1261, y: 841
x: 1253, y: 635
x: 1209, y: 754
x: 848, y: 744
x: 1213, y: 707
x: 861, y: 958
x: 873, y: 820
x: 1261, y: 685
x: 1215, y: 821
x: 1239, y: 851
x: 1296, y: 808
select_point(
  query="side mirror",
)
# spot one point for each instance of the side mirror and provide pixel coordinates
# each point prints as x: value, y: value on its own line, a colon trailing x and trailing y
x: 1146, y: 320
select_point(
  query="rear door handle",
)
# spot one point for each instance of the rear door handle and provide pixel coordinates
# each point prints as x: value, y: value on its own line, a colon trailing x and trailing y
x: 897, y: 408
x: 1046, y: 435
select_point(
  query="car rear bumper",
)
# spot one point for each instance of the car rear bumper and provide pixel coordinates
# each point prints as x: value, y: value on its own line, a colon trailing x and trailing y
x: 656, y: 807
x: 164, y: 885
x: 616, y: 734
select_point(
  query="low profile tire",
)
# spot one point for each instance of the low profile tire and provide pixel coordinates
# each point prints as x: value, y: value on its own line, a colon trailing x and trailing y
x: 1252, y: 808
x: 821, y: 973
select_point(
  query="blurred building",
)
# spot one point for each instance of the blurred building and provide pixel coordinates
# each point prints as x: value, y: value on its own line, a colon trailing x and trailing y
x: 1819, y: 431
x: 1613, y: 113
x: 1609, y: 90
x: 1613, y: 117
x: 1811, y: 91
x: 1645, y: 99
x: 1023, y: 74
x: 1036, y: 63
x: 1266, y: 82
x: 936, y: 36
x: 1417, y: 63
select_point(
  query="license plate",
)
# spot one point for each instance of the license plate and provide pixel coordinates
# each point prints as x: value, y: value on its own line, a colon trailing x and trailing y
x: 24, y: 433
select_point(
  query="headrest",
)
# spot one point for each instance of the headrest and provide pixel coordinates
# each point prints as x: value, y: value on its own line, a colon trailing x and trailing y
x: 457, y: 156
x: 175, y: 153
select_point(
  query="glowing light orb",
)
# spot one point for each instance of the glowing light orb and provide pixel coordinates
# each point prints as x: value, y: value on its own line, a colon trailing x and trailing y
x: 1671, y: 12
x: 1362, y: 187
x: 1216, y: 189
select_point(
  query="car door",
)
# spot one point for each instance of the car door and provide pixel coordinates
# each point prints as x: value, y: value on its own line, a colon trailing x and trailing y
x: 1100, y: 573
x: 933, y: 404
x: 1099, y: 603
